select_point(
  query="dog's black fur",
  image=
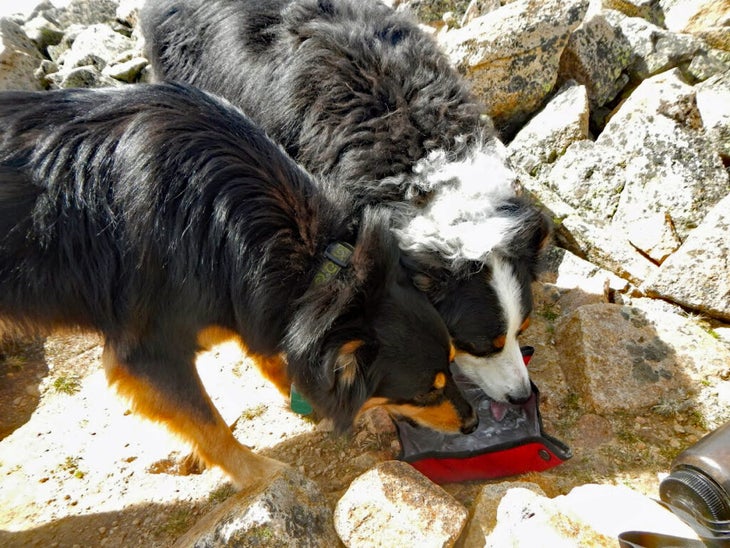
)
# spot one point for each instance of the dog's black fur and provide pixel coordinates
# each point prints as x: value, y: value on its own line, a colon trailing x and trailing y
x: 358, y: 93
x: 300, y: 69
x: 155, y: 214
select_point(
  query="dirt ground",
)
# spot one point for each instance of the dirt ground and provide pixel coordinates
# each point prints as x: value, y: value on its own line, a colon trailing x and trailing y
x: 78, y: 469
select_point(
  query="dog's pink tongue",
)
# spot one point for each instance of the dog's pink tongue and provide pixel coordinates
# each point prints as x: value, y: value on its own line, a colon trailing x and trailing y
x: 499, y: 410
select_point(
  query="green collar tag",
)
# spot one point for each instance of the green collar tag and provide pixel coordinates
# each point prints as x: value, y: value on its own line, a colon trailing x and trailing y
x: 337, y: 256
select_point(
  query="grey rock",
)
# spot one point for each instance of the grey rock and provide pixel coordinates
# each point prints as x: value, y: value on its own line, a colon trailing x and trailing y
x: 87, y: 76
x: 713, y: 103
x: 706, y: 64
x: 707, y: 19
x: 477, y: 8
x: 596, y: 56
x: 88, y: 12
x: 98, y: 42
x: 290, y: 511
x: 676, y: 171
x: 57, y: 52
x: 590, y: 515
x: 43, y: 32
x: 703, y: 265
x: 622, y: 358
x: 650, y: 10
x: 580, y: 231
x: 19, y: 58
x: 431, y: 11
x: 548, y: 134
x: 654, y: 236
x: 512, y: 55
x: 126, y: 71
x: 564, y: 269
x: 653, y: 49
x: 128, y: 11
x: 652, y: 159
x: 395, y: 505
x: 484, y: 511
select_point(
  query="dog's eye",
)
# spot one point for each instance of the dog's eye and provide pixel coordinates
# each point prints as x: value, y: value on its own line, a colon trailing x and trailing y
x: 436, y: 393
x: 429, y: 398
x: 462, y: 347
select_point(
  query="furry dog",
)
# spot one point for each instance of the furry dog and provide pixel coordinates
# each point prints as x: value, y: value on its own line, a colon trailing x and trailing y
x: 158, y: 215
x: 359, y: 93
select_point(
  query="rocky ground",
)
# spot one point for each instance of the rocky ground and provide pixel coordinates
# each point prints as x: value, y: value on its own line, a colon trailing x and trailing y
x: 626, y: 393
x: 77, y: 468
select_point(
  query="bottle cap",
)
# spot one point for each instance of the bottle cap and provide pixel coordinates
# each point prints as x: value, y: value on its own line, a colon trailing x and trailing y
x: 696, y: 493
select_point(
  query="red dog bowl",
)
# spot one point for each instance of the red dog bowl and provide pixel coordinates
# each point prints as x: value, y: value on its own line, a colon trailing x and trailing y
x: 508, y: 441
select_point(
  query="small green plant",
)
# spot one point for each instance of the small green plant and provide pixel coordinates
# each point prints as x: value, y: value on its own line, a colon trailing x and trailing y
x: 262, y: 536
x: 177, y: 522
x: 549, y: 312
x: 672, y: 407
x: 15, y: 363
x: 67, y: 384
x: 253, y: 412
x: 71, y: 465
x: 221, y: 493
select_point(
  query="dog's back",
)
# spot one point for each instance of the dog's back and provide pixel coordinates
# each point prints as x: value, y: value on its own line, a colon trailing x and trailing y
x: 156, y: 214
x: 326, y: 79
x: 357, y: 91
x: 118, y: 185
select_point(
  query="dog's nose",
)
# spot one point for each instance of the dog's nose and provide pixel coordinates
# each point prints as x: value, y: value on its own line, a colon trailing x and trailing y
x: 470, y: 424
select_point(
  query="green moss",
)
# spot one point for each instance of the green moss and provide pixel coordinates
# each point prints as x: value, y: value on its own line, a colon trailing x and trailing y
x: 177, y: 522
x: 253, y: 412
x: 221, y: 493
x: 67, y: 384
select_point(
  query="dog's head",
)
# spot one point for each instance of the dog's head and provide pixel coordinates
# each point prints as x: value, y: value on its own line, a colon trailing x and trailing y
x: 486, y: 303
x: 367, y: 337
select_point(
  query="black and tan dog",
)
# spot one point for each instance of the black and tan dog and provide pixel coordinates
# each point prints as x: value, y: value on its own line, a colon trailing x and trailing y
x: 357, y: 92
x: 158, y: 215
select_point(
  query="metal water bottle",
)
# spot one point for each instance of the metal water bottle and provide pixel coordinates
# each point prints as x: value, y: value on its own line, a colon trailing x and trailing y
x: 698, y: 486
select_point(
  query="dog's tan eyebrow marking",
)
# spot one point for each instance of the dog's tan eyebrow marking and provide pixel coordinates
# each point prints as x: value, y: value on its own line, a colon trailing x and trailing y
x: 452, y: 352
x: 351, y: 346
x: 524, y: 325
x: 499, y: 341
x: 440, y: 381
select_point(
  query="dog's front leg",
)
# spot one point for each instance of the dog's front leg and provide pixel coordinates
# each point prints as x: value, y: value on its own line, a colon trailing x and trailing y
x: 162, y: 384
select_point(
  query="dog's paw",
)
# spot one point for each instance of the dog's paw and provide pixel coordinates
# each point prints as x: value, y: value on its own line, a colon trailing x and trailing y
x: 178, y: 465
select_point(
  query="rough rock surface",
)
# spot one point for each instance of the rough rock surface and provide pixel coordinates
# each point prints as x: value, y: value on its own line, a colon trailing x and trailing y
x: 290, y: 511
x: 630, y: 322
x: 398, y: 506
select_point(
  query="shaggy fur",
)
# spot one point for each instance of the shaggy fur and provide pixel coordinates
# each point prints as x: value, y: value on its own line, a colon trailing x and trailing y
x: 161, y: 217
x: 358, y: 93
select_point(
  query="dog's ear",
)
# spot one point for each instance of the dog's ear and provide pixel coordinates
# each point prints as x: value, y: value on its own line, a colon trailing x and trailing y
x: 430, y: 279
x: 533, y: 228
x: 298, y: 16
x: 346, y: 368
x: 537, y: 234
x: 545, y: 232
x: 375, y: 258
x: 349, y: 380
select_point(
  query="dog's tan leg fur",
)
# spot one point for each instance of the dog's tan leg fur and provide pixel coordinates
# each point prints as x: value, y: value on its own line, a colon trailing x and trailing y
x: 273, y: 368
x: 210, y: 437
